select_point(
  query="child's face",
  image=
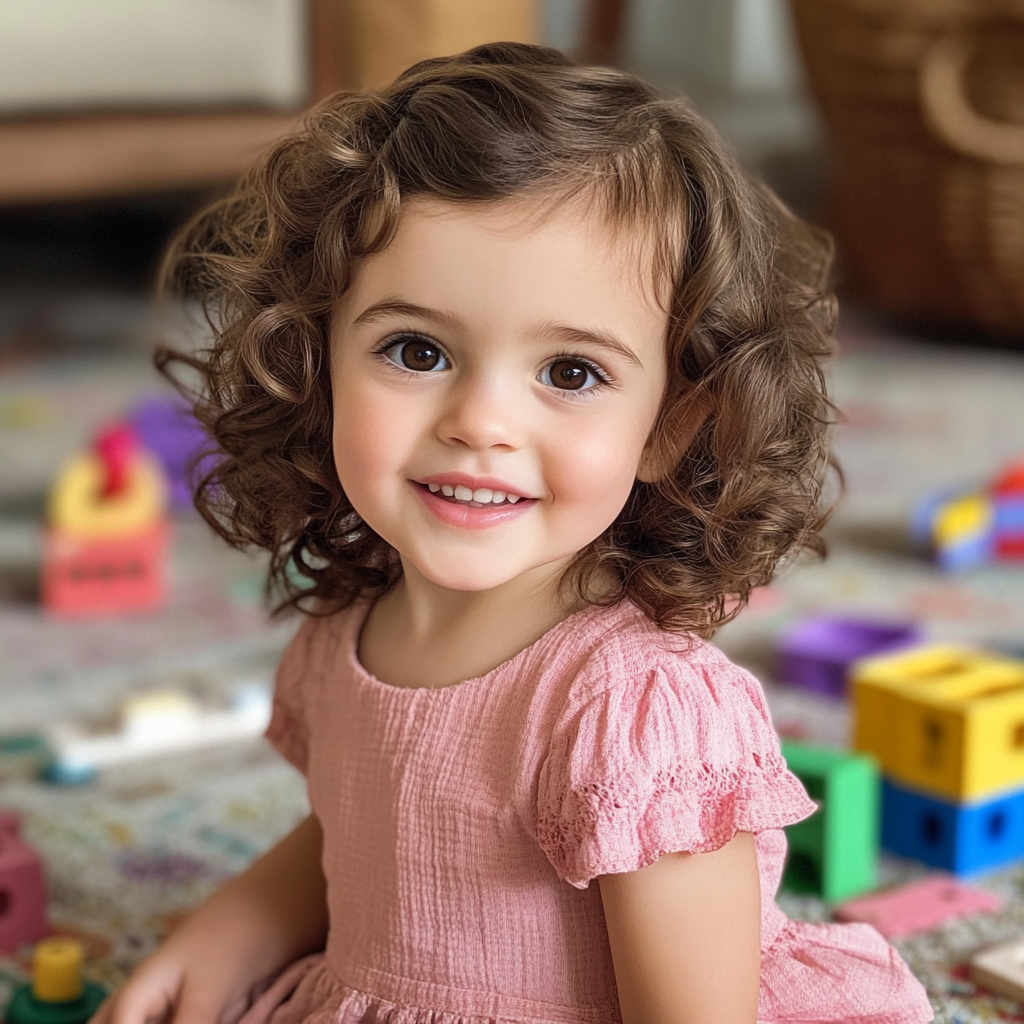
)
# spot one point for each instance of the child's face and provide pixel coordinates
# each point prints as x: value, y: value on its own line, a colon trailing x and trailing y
x: 492, y: 351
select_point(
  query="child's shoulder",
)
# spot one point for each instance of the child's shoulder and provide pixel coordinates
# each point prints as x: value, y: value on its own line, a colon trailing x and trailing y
x: 621, y: 652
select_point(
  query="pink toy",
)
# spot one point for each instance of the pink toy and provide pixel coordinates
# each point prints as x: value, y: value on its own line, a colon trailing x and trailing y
x: 919, y: 906
x: 22, y: 894
x: 105, y: 575
x: 106, y: 548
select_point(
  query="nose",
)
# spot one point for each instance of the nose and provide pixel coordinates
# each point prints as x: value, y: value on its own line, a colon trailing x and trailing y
x: 480, y: 412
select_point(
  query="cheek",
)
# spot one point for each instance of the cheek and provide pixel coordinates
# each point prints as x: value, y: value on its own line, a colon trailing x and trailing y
x: 596, y: 473
x: 363, y: 445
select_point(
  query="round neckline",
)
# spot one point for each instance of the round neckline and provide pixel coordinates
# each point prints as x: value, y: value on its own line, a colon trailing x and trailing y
x: 365, y: 676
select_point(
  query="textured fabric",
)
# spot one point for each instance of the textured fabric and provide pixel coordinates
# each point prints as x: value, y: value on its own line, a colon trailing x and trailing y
x: 462, y: 827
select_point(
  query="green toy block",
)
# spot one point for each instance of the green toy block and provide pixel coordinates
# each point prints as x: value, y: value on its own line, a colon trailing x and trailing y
x: 834, y: 852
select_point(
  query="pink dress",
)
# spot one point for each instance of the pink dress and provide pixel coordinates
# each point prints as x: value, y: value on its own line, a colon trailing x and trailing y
x: 463, y: 827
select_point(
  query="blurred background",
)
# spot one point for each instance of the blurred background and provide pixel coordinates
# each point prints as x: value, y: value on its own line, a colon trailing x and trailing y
x: 898, y: 124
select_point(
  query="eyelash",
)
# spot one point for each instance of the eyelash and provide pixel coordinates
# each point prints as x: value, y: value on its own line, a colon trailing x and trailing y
x: 604, y: 379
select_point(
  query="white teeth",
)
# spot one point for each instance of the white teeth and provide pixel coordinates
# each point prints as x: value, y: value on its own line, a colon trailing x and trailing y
x: 480, y: 497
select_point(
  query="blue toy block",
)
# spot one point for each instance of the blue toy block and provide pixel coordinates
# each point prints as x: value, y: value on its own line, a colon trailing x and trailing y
x: 966, y: 554
x: 966, y: 838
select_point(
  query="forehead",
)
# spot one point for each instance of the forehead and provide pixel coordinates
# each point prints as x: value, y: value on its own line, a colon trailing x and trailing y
x: 532, y: 243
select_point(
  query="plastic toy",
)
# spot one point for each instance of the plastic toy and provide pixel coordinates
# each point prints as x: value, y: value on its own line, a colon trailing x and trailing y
x: 58, y: 993
x: 919, y: 906
x: 156, y: 722
x: 1000, y: 969
x: 834, y: 852
x: 957, y: 529
x: 816, y: 653
x: 945, y: 720
x: 105, y: 551
x: 22, y: 892
x: 1008, y: 493
x: 965, y: 838
x: 168, y: 429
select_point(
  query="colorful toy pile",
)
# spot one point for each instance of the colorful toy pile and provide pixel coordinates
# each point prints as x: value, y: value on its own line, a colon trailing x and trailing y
x: 946, y: 725
x: 106, y: 546
x: 964, y: 529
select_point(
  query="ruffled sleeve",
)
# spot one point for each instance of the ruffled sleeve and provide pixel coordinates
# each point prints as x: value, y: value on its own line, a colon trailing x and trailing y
x: 679, y: 756
x: 288, y: 730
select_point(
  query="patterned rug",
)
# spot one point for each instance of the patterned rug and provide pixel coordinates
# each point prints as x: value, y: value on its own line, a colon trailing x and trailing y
x: 127, y: 854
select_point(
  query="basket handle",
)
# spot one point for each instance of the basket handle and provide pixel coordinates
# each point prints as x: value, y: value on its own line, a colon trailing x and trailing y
x: 949, y: 114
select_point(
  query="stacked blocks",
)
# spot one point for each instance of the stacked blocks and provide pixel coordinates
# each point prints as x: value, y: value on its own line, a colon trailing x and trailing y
x: 22, y: 894
x: 947, y: 727
x: 833, y: 853
x: 817, y: 654
x: 1008, y: 495
x: 105, y: 551
x: 964, y: 529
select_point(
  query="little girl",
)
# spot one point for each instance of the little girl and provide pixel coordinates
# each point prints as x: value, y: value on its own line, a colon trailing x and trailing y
x: 518, y: 379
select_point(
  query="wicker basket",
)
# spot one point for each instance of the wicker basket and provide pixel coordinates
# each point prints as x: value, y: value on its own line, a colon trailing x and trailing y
x: 924, y: 104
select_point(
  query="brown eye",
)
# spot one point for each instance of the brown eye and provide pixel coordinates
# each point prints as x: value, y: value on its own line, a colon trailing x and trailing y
x: 417, y: 354
x: 569, y: 375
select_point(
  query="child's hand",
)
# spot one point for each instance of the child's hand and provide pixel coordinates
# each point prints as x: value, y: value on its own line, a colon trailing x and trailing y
x: 245, y: 933
x: 192, y: 979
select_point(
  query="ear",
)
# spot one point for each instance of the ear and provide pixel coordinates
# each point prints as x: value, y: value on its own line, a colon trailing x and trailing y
x: 670, y: 440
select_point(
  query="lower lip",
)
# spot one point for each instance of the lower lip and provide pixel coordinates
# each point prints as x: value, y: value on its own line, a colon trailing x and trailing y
x: 469, y: 518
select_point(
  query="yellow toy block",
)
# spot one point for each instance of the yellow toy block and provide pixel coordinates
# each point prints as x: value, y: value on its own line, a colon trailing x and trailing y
x: 966, y: 516
x: 79, y: 508
x: 946, y: 720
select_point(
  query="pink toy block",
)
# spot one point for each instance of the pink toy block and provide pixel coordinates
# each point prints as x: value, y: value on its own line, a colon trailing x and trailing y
x: 919, y: 906
x: 105, y: 575
x: 22, y: 895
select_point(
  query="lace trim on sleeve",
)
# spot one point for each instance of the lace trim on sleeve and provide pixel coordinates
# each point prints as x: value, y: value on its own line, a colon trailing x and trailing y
x: 626, y: 824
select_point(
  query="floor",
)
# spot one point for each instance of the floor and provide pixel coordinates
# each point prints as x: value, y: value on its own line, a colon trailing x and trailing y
x: 129, y: 852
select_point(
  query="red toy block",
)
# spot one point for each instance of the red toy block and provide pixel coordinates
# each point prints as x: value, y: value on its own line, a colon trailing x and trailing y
x: 919, y: 906
x: 1010, y: 482
x: 22, y: 894
x: 105, y: 575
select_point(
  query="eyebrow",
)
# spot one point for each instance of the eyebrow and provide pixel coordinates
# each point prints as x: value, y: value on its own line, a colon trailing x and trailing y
x: 566, y: 332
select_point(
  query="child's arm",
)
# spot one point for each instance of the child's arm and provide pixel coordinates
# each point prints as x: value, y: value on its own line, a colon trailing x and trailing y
x: 273, y: 913
x: 685, y: 937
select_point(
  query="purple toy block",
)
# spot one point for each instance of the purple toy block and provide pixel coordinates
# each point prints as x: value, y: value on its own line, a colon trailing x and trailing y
x: 167, y: 427
x: 22, y: 895
x: 816, y: 653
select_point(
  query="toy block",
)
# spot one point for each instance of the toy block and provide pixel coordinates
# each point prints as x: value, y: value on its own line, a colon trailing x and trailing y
x: 1000, y: 969
x: 964, y: 838
x: 946, y: 720
x: 833, y: 853
x: 168, y: 428
x: 1009, y: 526
x: 957, y: 528
x: 816, y: 653
x: 22, y: 893
x: 106, y: 575
x: 105, y: 551
x: 58, y: 993
x: 919, y: 906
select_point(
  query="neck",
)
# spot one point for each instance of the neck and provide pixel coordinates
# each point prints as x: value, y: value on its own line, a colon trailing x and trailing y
x: 420, y: 634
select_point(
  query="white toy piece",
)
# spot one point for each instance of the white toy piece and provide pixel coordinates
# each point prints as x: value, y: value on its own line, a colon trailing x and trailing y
x: 157, y: 721
x: 1000, y: 969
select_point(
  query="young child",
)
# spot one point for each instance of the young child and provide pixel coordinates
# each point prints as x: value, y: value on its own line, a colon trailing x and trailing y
x: 518, y: 379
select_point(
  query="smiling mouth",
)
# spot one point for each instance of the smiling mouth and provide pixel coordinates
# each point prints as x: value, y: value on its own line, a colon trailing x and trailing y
x: 482, y: 497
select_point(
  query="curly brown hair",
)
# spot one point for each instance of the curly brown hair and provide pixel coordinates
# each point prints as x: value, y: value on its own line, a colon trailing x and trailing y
x: 748, y: 322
